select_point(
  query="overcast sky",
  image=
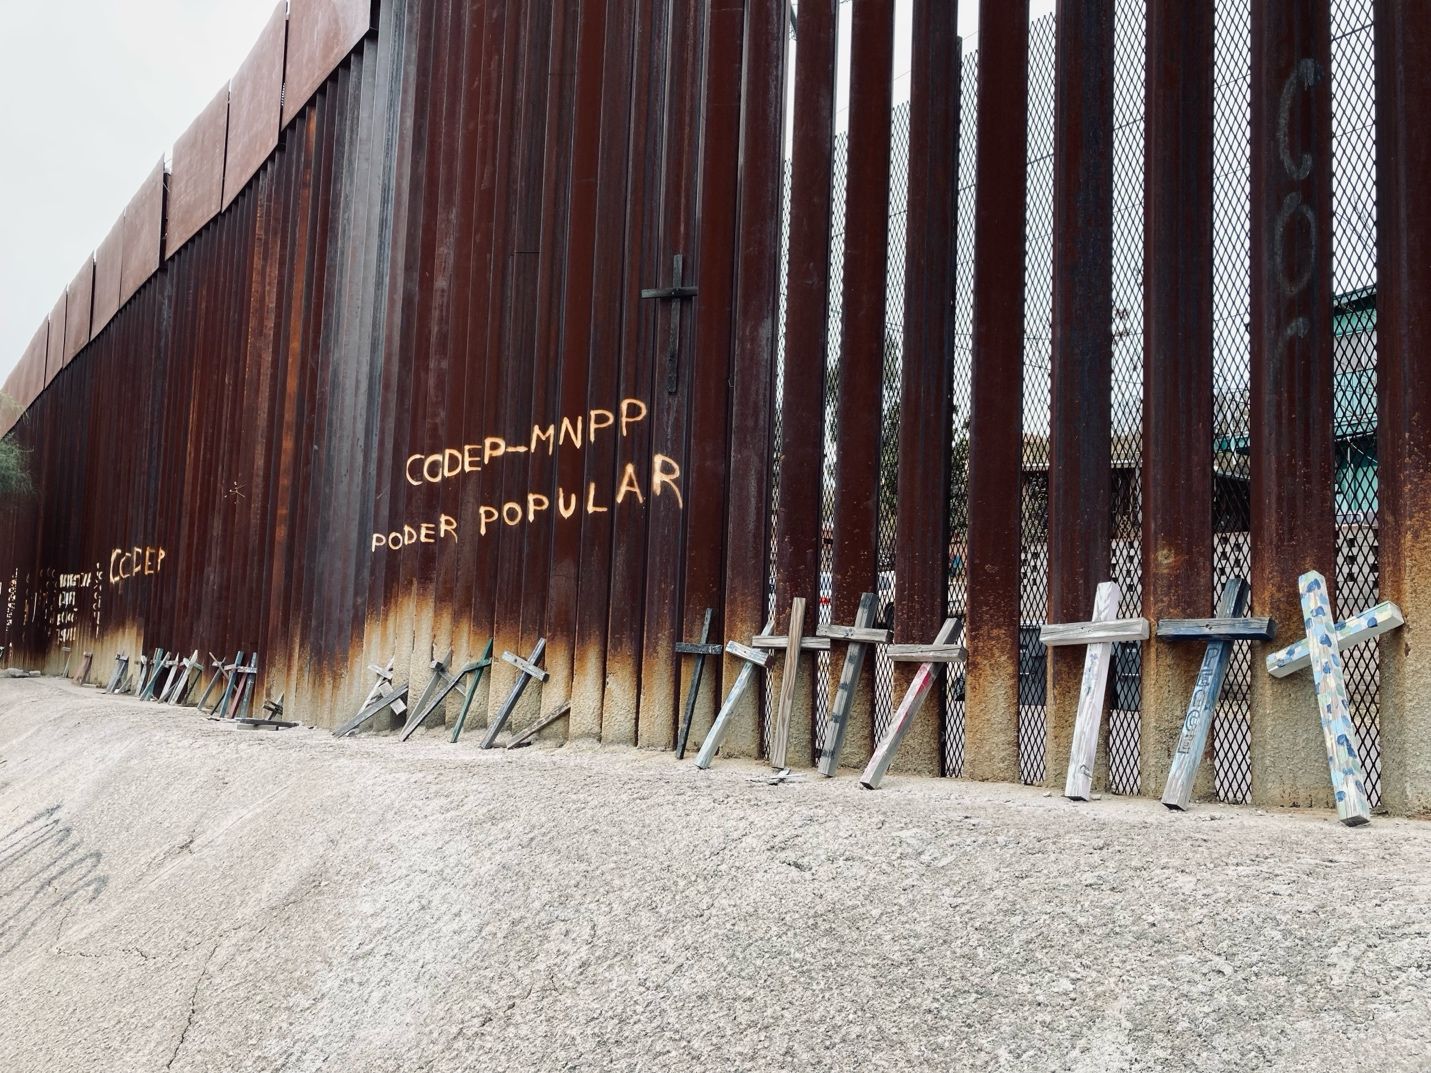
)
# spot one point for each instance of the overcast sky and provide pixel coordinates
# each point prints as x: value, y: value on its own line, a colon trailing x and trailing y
x: 95, y: 92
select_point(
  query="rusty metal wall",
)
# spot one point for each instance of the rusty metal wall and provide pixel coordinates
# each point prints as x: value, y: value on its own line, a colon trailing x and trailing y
x: 196, y: 184
x: 378, y: 379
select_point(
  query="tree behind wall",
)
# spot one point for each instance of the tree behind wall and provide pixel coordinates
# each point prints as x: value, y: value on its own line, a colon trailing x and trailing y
x: 14, y: 465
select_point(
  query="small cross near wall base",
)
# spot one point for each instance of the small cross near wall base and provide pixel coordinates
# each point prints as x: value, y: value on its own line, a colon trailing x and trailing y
x: 1099, y: 634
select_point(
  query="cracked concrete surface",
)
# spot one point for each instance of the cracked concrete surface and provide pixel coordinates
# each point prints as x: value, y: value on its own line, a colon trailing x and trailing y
x: 176, y: 895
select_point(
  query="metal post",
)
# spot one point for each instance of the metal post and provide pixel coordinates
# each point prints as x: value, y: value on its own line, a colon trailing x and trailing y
x: 799, y: 517
x: 864, y: 347
x: 1177, y: 363
x: 1080, y: 457
x: 1403, y: 325
x: 926, y: 403
x: 1291, y: 406
x: 991, y: 748
x: 753, y: 385
x: 709, y: 448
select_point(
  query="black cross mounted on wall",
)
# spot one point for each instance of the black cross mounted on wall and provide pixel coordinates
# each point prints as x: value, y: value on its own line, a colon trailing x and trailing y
x: 674, y: 293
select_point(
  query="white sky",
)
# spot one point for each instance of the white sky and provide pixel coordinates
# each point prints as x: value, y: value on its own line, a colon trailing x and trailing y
x: 96, y: 91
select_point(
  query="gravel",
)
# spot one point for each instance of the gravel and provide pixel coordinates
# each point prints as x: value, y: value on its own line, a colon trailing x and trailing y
x: 176, y: 894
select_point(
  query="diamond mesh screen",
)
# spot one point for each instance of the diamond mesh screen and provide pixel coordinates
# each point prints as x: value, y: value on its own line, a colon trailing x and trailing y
x: 1038, y: 323
x: 962, y: 381
x: 1354, y: 355
x: 1232, y: 363
x: 1127, y: 403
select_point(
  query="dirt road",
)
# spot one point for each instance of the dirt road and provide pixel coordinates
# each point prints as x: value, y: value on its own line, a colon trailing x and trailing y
x: 177, y: 895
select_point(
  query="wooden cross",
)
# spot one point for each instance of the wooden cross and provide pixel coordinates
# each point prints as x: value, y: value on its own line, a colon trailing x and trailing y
x: 1099, y: 635
x: 174, y: 669
x: 932, y: 659
x: 381, y: 697
x: 793, y: 643
x: 426, y: 703
x: 179, y: 687
x: 273, y: 720
x: 1325, y: 639
x: 236, y: 698
x: 700, y: 649
x: 753, y: 658
x: 229, y: 671
x: 163, y: 661
x: 526, y: 736
x: 382, y: 681
x: 121, y: 665
x: 444, y: 683
x: 859, y: 637
x: 475, y: 669
x: 66, y: 649
x: 529, y: 672
x: 246, y: 723
x: 84, y: 668
x: 1219, y: 633
x: 219, y: 673
x: 1383, y: 618
x: 141, y: 673
x: 675, y: 293
x: 393, y: 698
x: 242, y: 705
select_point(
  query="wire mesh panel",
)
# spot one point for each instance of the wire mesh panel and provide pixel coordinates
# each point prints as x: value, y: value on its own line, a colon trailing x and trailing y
x: 1127, y: 403
x: 840, y: 173
x: 1354, y: 355
x: 1038, y: 326
x: 777, y: 427
x: 962, y: 382
x: 889, y: 404
x: 1232, y: 365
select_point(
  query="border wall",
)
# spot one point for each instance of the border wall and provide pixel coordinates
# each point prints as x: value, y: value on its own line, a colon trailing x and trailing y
x: 367, y: 373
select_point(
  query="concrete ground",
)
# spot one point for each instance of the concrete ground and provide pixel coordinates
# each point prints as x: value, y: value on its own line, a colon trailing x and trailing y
x: 179, y: 895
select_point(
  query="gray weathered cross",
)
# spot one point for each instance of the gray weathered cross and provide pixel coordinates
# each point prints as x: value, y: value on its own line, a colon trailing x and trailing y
x: 1322, y: 652
x: 392, y: 698
x: 218, y: 666
x: 179, y: 683
x: 700, y: 649
x: 1099, y: 635
x: 794, y: 643
x: 141, y: 675
x: 675, y: 293
x: 932, y: 659
x: 440, y: 680
x: 721, y: 726
x: 229, y: 680
x: 272, y: 719
x: 859, y: 637
x: 1219, y: 633
x: 526, y: 736
x: 530, y: 671
x: 242, y: 705
x: 121, y: 666
x: 163, y: 661
x: 475, y: 669
x: 380, y: 697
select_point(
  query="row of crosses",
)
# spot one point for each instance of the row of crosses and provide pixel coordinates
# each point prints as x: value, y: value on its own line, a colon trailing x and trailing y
x: 1320, y: 650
